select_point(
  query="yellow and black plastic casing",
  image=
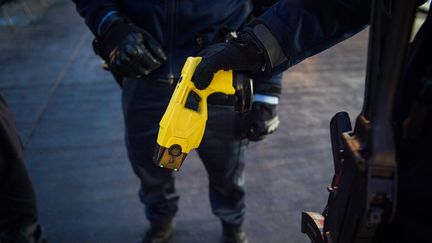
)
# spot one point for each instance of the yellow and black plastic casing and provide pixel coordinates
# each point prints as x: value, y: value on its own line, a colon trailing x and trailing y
x: 182, y: 126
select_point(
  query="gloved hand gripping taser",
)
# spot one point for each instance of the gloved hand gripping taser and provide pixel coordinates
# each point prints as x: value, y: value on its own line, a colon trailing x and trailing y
x: 182, y: 126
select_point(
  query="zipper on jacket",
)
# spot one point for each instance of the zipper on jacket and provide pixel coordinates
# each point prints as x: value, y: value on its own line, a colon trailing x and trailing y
x: 170, y: 38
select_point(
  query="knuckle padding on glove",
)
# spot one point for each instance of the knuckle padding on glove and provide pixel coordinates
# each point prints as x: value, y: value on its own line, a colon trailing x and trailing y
x: 154, y: 46
x: 241, y: 54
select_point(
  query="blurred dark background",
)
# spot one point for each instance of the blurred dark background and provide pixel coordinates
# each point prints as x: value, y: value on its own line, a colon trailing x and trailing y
x: 67, y: 110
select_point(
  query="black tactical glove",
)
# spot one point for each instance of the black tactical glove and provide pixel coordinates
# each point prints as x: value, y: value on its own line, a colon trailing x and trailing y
x: 239, y: 54
x: 261, y: 121
x: 128, y: 50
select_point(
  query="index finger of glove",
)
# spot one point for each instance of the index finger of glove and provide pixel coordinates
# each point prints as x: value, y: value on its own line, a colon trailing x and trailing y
x: 203, y: 75
x: 213, y: 59
x: 154, y: 47
x: 148, y: 61
x: 157, y: 51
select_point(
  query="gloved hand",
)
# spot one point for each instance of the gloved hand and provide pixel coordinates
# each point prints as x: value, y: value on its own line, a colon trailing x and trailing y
x: 128, y: 50
x: 239, y: 54
x: 261, y: 121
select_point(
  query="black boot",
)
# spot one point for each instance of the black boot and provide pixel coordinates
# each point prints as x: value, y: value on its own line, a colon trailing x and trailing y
x: 159, y: 233
x: 233, y: 233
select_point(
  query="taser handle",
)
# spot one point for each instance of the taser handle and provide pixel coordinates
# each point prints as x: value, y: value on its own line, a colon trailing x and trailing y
x: 180, y: 123
x: 222, y: 82
x: 182, y: 127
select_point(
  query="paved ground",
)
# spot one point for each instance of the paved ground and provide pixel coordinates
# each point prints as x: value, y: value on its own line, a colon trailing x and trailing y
x: 68, y: 113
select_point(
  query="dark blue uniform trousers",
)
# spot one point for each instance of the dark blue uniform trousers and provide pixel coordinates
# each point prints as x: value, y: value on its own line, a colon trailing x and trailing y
x: 144, y: 103
x: 18, y: 211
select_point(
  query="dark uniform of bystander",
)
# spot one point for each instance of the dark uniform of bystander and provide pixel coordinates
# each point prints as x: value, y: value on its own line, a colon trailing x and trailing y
x: 18, y: 211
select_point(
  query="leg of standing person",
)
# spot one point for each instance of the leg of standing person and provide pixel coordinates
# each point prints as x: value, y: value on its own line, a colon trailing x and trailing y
x: 18, y: 211
x: 222, y: 153
x: 144, y: 103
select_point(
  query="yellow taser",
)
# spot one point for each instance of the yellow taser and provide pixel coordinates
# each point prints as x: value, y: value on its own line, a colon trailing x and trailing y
x: 182, y: 126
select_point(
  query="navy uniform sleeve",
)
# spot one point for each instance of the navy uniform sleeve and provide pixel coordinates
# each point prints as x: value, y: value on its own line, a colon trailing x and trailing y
x: 93, y: 11
x: 293, y: 30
